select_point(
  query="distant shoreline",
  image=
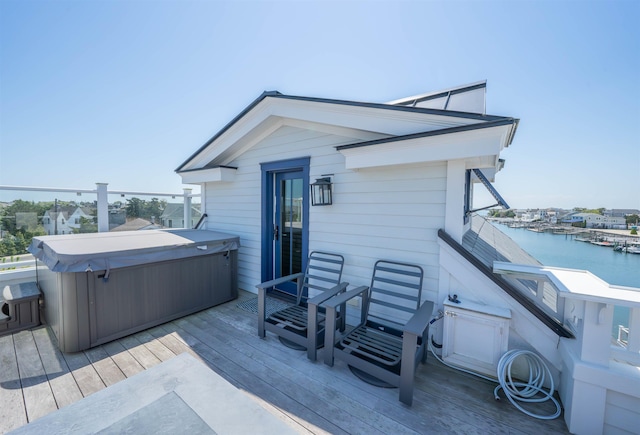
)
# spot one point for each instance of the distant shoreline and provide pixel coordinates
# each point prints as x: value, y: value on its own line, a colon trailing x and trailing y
x: 563, y: 229
x: 619, y: 233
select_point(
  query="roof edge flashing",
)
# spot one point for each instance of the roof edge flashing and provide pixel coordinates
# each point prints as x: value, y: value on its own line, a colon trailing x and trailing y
x: 449, y: 130
x: 439, y: 94
x: 238, y: 117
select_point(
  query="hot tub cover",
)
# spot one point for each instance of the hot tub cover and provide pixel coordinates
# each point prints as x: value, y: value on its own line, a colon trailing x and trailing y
x: 106, y: 251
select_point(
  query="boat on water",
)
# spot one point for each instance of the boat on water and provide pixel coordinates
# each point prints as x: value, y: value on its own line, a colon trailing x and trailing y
x: 631, y: 249
x: 602, y: 243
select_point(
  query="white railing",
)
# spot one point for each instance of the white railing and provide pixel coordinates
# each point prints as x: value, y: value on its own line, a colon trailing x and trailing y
x: 102, y: 193
x: 585, y: 296
x: 17, y: 272
x: 15, y: 265
x: 600, y: 385
x: 623, y: 336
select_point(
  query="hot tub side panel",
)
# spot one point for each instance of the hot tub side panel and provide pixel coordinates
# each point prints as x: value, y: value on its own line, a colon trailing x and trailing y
x: 139, y: 297
x: 65, y: 307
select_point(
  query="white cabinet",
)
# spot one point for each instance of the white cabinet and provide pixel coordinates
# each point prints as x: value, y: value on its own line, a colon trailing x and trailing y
x: 475, y: 336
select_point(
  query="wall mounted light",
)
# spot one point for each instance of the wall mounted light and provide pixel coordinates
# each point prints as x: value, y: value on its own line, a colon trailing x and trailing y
x: 321, y: 192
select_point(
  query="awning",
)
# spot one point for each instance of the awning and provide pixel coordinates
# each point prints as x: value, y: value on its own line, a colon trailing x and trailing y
x: 491, y: 189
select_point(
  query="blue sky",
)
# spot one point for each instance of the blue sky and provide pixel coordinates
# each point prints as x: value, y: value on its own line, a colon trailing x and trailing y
x: 124, y: 91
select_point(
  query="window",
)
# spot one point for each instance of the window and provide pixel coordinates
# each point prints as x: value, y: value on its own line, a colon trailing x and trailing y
x: 467, y: 196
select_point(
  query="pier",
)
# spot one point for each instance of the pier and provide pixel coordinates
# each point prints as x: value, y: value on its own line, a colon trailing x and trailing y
x: 619, y: 239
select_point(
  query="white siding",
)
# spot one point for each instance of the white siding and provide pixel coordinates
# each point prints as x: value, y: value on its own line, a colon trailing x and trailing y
x: 622, y: 413
x: 392, y: 213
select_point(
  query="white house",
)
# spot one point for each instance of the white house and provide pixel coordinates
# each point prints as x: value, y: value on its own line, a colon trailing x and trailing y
x: 594, y: 220
x: 402, y: 176
x: 65, y: 219
x: 399, y: 172
x: 173, y: 216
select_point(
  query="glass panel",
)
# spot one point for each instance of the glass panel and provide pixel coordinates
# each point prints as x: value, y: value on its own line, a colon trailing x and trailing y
x: 141, y: 212
x: 291, y: 226
x: 30, y: 213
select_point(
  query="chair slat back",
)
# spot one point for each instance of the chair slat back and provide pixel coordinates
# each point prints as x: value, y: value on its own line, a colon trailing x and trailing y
x: 324, y: 271
x: 395, y: 293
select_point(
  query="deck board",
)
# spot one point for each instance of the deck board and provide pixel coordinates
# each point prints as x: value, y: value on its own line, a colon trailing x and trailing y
x: 36, y: 378
x: 322, y: 384
x: 357, y: 397
x: 104, y: 366
x: 12, y: 411
x: 123, y: 359
x: 286, y: 381
x: 84, y: 373
x: 140, y: 352
x: 246, y: 379
x: 63, y: 384
x: 37, y: 393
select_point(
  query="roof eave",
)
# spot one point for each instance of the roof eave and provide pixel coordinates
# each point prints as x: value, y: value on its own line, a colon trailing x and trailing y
x: 381, y: 106
x: 479, y: 126
x: 247, y: 109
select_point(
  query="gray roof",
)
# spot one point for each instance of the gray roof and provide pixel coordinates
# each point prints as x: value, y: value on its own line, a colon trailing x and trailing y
x: 136, y: 224
x: 176, y: 211
x: 449, y: 130
x: 383, y: 106
x: 488, y: 244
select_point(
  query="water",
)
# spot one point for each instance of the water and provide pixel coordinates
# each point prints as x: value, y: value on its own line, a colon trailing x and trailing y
x: 564, y: 251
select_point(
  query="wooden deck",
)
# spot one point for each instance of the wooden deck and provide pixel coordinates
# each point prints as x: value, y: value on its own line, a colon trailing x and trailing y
x: 36, y: 379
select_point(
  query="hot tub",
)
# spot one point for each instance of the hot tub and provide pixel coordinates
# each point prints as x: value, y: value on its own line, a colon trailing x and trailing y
x: 102, y: 286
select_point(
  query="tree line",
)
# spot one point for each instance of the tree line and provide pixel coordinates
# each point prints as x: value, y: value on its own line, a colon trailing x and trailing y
x: 22, y: 220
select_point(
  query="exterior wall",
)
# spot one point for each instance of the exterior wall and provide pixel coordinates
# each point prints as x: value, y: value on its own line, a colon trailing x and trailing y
x: 598, y: 398
x: 386, y: 212
x: 572, y: 219
x: 598, y: 221
x: 74, y: 219
x: 50, y: 225
x: 593, y: 220
x: 622, y: 413
x: 66, y: 225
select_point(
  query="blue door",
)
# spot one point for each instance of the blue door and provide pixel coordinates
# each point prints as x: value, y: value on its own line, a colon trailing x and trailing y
x: 285, y: 220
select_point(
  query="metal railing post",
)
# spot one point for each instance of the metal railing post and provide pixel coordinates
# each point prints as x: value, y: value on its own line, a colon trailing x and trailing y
x: 103, y: 207
x: 187, y: 208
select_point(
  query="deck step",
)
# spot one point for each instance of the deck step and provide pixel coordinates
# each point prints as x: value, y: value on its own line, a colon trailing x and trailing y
x: 20, y: 308
x: 18, y: 292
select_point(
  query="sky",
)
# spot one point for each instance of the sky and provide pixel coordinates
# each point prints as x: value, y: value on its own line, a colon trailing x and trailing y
x: 124, y: 91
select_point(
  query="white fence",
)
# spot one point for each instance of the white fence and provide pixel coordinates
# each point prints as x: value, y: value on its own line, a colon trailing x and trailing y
x: 102, y: 194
